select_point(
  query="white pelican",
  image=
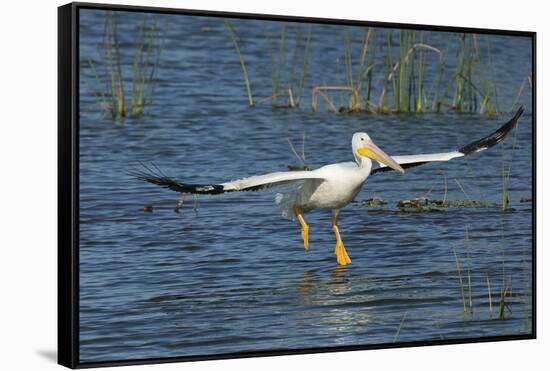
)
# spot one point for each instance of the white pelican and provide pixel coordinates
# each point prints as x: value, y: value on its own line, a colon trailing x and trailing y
x: 331, y: 186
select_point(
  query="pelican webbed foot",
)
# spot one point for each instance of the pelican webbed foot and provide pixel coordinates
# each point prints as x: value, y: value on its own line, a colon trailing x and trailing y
x: 342, y: 256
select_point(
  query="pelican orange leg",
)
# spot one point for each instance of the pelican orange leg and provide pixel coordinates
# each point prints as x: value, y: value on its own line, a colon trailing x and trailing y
x: 305, y: 227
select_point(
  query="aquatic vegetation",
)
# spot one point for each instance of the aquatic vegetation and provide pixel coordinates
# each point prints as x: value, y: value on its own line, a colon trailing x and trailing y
x: 521, y: 90
x: 354, y: 103
x: 276, y: 74
x: 490, y: 296
x: 506, y: 169
x: 147, y: 208
x: 301, y: 157
x: 396, y: 337
x: 425, y: 204
x: 389, y: 71
x: 465, y: 193
x: 506, y: 297
x: 373, y: 202
x: 108, y: 72
x: 464, y: 96
x: 286, y: 80
x: 468, y: 271
x: 459, y: 272
x: 235, y: 40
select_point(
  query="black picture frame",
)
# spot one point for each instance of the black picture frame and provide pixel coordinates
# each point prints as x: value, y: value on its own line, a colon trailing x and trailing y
x: 68, y: 183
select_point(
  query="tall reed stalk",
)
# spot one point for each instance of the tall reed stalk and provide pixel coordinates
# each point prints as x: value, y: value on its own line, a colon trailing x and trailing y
x: 408, y: 73
x: 468, y: 269
x: 305, y: 60
x: 109, y: 81
x: 288, y: 79
x: 461, y: 283
x: 235, y: 39
x: 506, y: 170
x: 279, y: 69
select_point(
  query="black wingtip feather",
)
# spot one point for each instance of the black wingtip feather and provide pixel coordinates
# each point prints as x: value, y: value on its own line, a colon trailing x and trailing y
x: 481, y: 144
x: 495, y: 138
x: 155, y: 176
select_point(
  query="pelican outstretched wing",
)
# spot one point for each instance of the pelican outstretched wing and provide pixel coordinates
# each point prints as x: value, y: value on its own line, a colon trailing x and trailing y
x: 498, y: 136
x: 254, y: 183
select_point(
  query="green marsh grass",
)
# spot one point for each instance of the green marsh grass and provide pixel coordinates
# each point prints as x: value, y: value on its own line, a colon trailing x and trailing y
x: 364, y: 75
x: 505, y: 176
x: 506, y: 169
x: 406, y: 72
x: 505, y: 297
x: 279, y: 68
x: 490, y: 297
x: 396, y: 337
x: 305, y: 61
x: 144, y: 68
x: 320, y: 90
x: 235, y: 40
x: 503, y: 287
x: 445, y: 187
x: 109, y: 85
x: 301, y: 156
x: 468, y: 270
x: 374, y: 201
x: 460, y: 281
x: 470, y: 201
x: 464, y: 99
x: 364, y: 69
x: 526, y: 81
x: 288, y: 79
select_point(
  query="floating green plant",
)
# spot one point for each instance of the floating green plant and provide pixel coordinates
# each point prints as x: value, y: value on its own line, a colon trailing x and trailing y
x: 373, y: 202
x: 422, y: 204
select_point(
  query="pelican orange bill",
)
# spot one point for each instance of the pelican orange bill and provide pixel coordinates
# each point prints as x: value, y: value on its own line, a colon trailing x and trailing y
x: 372, y: 151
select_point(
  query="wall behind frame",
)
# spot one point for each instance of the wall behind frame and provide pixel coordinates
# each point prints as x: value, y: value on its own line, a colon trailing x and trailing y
x: 28, y: 156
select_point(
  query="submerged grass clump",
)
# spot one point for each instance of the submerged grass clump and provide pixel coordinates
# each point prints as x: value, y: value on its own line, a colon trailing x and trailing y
x: 425, y: 204
x: 373, y: 202
x: 109, y: 70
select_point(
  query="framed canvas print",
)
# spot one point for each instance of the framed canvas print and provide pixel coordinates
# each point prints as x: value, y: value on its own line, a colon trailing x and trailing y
x: 238, y: 185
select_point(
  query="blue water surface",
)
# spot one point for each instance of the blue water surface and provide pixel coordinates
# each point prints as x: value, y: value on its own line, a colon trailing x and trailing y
x: 228, y: 273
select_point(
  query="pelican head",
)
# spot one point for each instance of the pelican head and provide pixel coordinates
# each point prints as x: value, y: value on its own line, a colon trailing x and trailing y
x: 363, y: 146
